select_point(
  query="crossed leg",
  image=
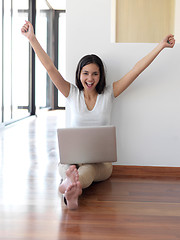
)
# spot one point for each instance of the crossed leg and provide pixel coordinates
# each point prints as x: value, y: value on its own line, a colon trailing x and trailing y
x: 76, y: 179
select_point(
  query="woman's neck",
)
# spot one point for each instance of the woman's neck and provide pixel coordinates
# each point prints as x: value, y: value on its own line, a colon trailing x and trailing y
x: 90, y: 94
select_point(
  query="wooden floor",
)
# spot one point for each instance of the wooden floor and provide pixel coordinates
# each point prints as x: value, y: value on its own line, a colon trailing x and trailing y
x: 126, y: 208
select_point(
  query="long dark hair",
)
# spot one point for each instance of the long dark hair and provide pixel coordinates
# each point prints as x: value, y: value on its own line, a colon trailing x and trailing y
x: 92, y: 58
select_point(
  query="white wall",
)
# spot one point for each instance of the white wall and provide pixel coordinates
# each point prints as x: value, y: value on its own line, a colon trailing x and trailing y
x: 147, y: 114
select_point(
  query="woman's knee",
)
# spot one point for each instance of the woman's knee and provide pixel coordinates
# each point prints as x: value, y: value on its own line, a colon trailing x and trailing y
x: 87, y: 174
x: 104, y: 171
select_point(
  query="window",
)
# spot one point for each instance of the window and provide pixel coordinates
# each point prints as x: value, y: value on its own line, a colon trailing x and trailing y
x: 7, y: 57
x: 62, y: 54
x: 51, y: 33
x: 25, y: 86
x: 14, y: 63
x: 41, y: 74
x: 20, y: 61
x: 1, y: 93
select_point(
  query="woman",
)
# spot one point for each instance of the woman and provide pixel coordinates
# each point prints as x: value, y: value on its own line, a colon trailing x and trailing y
x: 90, y: 104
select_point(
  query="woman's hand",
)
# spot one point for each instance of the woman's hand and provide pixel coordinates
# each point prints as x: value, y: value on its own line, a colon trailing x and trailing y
x: 27, y: 30
x: 168, y: 41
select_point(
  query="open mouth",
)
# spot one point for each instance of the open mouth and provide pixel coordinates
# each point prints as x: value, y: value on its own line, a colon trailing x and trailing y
x: 89, y: 84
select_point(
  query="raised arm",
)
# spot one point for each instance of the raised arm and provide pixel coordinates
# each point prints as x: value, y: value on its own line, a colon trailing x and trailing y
x: 124, y: 82
x: 63, y: 86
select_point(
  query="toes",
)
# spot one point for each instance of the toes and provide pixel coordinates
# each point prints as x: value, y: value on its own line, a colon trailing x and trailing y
x: 72, y: 173
x: 71, y: 187
x: 79, y: 186
x: 72, y: 167
x: 76, y: 174
x: 70, y: 170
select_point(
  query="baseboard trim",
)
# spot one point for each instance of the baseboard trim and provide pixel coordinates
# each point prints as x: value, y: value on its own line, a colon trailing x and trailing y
x: 145, y: 171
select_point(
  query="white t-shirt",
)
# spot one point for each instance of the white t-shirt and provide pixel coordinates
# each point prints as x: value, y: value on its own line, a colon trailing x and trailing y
x: 100, y: 115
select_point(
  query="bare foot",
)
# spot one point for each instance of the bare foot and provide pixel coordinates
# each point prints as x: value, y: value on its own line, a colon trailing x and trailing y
x: 72, y: 177
x: 72, y: 193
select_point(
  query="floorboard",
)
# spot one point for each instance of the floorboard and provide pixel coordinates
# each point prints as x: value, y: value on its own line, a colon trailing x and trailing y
x: 126, y: 208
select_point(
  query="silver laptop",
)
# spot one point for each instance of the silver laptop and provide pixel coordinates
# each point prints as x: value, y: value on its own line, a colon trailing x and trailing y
x: 87, y: 145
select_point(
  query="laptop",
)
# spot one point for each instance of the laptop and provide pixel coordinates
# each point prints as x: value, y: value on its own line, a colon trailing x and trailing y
x: 87, y: 145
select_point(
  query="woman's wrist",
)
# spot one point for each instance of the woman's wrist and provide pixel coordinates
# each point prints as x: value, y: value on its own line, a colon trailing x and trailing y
x: 161, y: 45
x: 32, y: 38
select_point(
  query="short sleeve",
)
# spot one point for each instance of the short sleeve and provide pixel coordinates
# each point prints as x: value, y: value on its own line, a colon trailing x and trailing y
x: 110, y: 92
x: 72, y: 92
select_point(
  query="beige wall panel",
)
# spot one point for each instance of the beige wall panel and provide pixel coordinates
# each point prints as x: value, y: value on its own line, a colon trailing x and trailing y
x: 177, y: 21
x: 144, y: 20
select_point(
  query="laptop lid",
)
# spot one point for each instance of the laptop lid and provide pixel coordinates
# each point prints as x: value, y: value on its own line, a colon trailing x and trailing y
x: 87, y: 145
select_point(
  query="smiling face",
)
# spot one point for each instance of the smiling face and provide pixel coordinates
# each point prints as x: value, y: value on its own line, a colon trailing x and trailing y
x: 90, y: 66
x: 90, y: 76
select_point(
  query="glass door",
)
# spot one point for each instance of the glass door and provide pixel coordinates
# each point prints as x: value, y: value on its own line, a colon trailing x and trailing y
x: 14, y: 83
x: 41, y: 74
x: 7, y: 58
x: 62, y: 54
x: 16, y: 88
x: 20, y: 61
x: 1, y: 105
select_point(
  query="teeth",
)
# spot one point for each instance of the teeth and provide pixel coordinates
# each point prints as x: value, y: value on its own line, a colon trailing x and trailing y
x: 89, y: 84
